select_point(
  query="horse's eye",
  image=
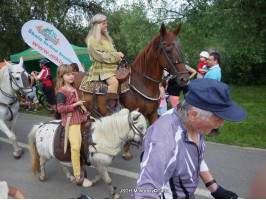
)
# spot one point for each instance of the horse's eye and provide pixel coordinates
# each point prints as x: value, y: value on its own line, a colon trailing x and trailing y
x: 17, y: 79
x: 168, y: 51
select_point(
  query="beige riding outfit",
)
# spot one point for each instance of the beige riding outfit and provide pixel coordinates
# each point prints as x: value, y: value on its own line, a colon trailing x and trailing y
x: 105, y: 60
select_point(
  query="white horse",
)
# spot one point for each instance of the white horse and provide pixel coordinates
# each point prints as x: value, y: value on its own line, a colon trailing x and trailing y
x: 13, y: 77
x: 108, y: 133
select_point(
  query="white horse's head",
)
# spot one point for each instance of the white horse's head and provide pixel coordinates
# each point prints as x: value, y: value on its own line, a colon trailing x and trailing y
x: 138, y: 125
x: 19, y: 79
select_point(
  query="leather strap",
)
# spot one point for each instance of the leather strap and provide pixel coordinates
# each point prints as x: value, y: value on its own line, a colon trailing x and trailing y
x: 69, y: 115
x: 210, y: 183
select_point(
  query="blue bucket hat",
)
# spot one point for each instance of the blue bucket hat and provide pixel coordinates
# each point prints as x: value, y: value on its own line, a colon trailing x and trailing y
x: 211, y: 95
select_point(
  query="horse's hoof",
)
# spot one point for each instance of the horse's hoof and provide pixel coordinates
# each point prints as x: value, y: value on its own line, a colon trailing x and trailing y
x: 17, y: 154
x: 127, y: 156
x: 41, y: 178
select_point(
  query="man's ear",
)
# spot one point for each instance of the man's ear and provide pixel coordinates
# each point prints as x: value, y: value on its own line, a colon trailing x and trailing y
x: 192, y: 115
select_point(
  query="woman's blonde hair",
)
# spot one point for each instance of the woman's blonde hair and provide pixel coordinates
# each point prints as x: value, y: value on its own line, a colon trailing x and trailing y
x: 61, y: 70
x: 95, y: 31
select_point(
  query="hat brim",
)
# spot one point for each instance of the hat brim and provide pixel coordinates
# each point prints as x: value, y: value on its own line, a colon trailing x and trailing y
x: 234, y: 114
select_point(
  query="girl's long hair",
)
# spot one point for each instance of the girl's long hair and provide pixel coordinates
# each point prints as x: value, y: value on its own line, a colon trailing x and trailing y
x: 61, y: 70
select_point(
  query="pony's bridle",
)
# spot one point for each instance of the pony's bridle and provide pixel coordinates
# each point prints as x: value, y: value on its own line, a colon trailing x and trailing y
x: 171, y: 62
x: 135, y: 129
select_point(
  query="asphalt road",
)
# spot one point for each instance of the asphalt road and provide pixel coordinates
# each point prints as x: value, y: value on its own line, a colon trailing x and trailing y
x: 232, y: 167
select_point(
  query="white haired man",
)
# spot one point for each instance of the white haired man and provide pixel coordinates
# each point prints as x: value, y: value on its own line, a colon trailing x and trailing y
x: 172, y: 157
x: 105, y: 59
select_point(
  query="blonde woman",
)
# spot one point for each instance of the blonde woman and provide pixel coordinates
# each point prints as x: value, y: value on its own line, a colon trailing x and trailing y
x: 105, y: 59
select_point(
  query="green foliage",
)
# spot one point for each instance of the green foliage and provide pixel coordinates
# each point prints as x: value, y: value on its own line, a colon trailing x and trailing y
x: 131, y: 29
x: 67, y: 16
x: 252, y: 131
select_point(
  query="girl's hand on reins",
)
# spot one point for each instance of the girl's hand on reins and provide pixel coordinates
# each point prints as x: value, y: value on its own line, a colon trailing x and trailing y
x: 79, y: 103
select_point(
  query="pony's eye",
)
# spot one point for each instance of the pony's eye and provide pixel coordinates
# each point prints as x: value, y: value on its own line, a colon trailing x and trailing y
x: 17, y: 79
x: 168, y: 51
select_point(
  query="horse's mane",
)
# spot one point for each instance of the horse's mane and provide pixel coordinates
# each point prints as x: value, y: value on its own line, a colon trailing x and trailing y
x: 108, y: 127
x: 143, y: 54
x: 2, y: 72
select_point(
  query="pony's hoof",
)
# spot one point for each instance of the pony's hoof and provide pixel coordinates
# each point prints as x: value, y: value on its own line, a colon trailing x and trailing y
x: 127, y: 155
x: 17, y: 154
x: 41, y: 178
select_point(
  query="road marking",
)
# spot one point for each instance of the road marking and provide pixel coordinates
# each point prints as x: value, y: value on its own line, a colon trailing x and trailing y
x: 122, y: 172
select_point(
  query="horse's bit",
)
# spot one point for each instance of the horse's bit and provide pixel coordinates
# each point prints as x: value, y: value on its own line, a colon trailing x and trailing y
x: 26, y: 85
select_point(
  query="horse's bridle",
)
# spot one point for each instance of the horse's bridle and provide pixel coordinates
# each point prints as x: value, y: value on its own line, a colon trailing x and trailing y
x: 25, y: 82
x: 171, y: 62
x: 26, y: 85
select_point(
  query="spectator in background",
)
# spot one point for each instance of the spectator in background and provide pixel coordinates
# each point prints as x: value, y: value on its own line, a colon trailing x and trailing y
x: 8, y: 190
x: 35, y: 99
x: 203, y: 65
x: 214, y: 71
x: 45, y: 76
x: 163, y: 103
x: 174, y: 90
x: 75, y: 67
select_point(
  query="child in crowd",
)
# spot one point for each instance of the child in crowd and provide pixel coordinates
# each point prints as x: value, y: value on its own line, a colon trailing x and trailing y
x: 67, y: 101
x: 163, y: 105
x: 35, y: 99
x: 203, y: 65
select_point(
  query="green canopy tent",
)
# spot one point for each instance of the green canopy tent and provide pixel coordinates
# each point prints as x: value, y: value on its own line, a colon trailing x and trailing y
x: 31, y: 58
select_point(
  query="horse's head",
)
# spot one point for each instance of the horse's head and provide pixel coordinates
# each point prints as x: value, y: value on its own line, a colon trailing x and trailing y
x: 138, y: 125
x: 170, y: 54
x: 19, y: 79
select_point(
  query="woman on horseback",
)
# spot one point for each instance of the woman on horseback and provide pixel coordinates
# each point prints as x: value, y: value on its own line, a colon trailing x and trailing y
x: 68, y: 102
x: 105, y: 59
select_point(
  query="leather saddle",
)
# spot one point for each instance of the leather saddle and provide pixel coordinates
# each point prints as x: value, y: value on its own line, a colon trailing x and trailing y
x: 86, y: 141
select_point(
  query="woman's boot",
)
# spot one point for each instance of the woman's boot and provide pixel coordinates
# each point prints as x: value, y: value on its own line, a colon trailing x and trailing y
x: 111, y: 99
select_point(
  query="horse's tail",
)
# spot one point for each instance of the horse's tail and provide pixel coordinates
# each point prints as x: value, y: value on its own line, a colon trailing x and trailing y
x: 35, y: 157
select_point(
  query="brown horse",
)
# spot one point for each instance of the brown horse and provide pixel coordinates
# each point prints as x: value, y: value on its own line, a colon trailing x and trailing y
x: 162, y: 52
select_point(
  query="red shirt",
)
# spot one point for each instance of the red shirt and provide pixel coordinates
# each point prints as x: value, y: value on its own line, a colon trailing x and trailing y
x: 67, y: 107
x: 44, y: 76
x: 200, y: 65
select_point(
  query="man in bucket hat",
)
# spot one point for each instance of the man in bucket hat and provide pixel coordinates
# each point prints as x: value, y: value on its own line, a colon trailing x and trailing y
x: 172, y: 157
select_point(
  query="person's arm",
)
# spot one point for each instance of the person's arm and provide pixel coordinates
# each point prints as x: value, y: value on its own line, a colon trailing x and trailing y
x: 193, y: 72
x: 101, y: 55
x: 162, y: 92
x: 15, y: 193
x: 216, y: 190
x: 203, y: 70
x: 154, y: 172
x: 34, y: 76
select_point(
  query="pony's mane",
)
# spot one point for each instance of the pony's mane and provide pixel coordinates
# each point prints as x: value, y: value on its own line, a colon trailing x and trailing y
x: 2, y: 72
x: 107, y: 127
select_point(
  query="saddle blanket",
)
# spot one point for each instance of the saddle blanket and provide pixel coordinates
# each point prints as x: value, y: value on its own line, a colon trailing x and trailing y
x: 100, y: 87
